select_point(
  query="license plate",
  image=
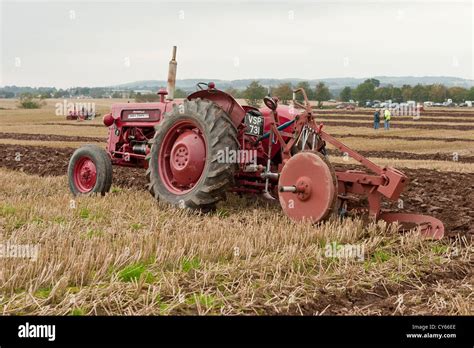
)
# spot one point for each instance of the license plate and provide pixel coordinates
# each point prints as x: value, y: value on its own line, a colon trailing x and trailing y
x: 254, y: 125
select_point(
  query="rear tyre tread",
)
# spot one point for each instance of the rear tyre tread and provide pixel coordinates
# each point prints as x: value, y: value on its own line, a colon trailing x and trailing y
x: 217, y: 177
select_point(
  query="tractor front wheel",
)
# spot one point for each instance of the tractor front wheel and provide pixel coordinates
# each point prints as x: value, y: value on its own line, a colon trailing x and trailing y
x: 184, y: 166
x: 90, y: 171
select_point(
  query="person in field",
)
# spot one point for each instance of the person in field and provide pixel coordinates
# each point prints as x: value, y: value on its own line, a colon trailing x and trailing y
x: 377, y: 119
x: 387, y: 116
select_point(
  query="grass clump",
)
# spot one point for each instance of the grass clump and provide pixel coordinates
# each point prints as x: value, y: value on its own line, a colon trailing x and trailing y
x: 134, y: 273
x: 190, y: 264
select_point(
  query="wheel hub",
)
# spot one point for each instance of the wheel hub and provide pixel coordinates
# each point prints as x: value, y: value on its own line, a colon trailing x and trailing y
x: 188, y: 157
x: 85, y: 175
x: 303, y: 188
x: 182, y: 157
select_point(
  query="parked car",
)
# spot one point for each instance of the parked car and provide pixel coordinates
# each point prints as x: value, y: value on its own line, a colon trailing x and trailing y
x: 346, y: 106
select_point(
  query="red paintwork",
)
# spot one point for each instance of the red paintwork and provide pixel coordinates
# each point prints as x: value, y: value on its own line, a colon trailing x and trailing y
x: 285, y: 114
x: 429, y: 226
x: 84, y: 174
x: 182, y: 157
x: 108, y: 120
x: 124, y: 128
x: 129, y: 136
x: 225, y: 101
x: 313, y: 179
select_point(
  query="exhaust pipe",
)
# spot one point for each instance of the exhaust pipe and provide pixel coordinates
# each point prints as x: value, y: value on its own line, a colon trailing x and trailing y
x: 172, y: 75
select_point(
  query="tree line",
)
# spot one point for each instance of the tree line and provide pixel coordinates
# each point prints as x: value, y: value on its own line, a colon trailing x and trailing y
x: 369, y: 90
x: 255, y: 92
x: 372, y: 90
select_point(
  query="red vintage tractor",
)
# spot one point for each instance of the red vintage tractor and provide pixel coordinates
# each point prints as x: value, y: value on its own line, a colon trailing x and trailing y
x: 196, y: 151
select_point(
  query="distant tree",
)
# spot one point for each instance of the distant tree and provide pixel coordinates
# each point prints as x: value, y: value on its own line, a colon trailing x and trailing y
x: 375, y: 82
x: 470, y: 94
x: 407, y: 92
x: 144, y: 98
x: 307, y: 88
x: 458, y: 94
x: 383, y: 93
x: 95, y: 93
x: 364, y: 92
x: 116, y: 95
x: 254, y: 93
x: 346, y: 94
x: 61, y: 93
x: 6, y: 94
x: 438, y: 93
x: 321, y: 92
x: 420, y: 93
x: 27, y: 101
x: 179, y: 93
x: 284, y: 92
x: 82, y: 91
x: 45, y: 95
x: 233, y: 92
x: 397, y: 95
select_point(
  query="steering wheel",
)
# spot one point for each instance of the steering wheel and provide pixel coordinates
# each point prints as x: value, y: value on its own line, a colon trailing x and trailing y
x: 200, y: 84
x: 270, y: 103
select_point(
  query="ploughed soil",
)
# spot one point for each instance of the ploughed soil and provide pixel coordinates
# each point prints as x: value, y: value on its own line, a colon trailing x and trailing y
x: 409, y: 155
x: 468, y: 113
x: 73, y: 124
x: 49, y: 161
x: 50, y: 137
x: 393, y: 124
x: 448, y: 196
x: 382, y: 299
x: 66, y: 138
x: 385, y: 136
x: 394, y: 118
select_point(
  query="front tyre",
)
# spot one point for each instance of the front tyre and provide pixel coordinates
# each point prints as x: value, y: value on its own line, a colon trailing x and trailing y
x: 89, y: 171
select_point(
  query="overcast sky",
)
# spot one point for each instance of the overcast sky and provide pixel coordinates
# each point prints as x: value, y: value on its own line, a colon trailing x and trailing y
x: 70, y: 43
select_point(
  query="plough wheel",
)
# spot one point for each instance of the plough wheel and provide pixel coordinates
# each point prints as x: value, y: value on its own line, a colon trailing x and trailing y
x: 308, y: 187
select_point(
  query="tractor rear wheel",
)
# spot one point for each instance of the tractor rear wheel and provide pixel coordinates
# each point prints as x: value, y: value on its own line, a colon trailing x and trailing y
x: 90, y: 171
x: 183, y: 164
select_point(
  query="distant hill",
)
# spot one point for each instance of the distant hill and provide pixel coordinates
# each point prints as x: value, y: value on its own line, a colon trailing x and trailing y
x: 189, y: 85
x: 333, y: 83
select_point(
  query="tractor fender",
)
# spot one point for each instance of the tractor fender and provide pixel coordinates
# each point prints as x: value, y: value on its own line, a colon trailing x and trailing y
x: 226, y: 102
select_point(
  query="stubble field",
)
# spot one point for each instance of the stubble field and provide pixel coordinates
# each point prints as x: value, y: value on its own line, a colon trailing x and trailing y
x: 127, y: 254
